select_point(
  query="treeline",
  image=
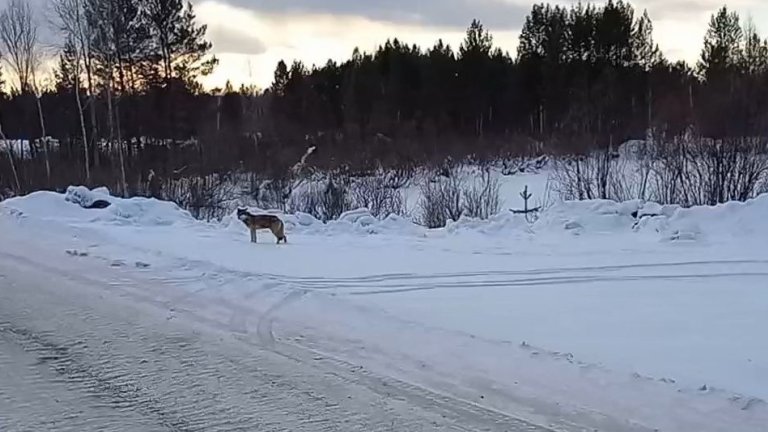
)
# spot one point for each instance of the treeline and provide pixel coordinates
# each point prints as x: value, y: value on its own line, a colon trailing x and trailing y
x: 126, y: 105
x: 127, y: 78
x: 582, y: 76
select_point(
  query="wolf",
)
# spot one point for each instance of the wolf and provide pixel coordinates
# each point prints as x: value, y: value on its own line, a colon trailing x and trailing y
x: 261, y: 221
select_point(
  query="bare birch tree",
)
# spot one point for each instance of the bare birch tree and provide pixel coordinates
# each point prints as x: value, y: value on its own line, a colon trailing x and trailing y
x: 106, y: 40
x: 72, y: 23
x: 18, y: 35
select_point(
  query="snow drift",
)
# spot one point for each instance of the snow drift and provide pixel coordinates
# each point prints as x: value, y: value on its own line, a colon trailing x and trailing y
x: 591, y: 217
x: 69, y: 207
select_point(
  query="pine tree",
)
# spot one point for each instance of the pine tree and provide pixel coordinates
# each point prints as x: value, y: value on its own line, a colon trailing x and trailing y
x: 755, y: 57
x: 615, y: 30
x: 646, y: 51
x: 722, y: 52
x: 280, y: 79
x: 478, y: 42
x: 65, y: 73
x: 647, y: 57
x: 474, y: 69
x: 178, y: 41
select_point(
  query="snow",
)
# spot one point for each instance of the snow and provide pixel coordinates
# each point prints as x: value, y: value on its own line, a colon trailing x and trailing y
x: 23, y: 149
x: 613, y: 316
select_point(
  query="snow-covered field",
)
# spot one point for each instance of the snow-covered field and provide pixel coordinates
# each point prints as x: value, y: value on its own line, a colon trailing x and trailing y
x: 587, y: 317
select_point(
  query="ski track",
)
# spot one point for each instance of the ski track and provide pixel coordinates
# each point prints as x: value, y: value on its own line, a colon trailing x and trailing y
x: 101, y: 364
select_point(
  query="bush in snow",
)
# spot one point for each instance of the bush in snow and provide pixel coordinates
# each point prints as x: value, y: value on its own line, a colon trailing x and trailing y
x: 686, y: 170
x: 307, y: 200
x: 6, y: 193
x: 398, y: 178
x: 325, y: 203
x: 335, y: 199
x: 699, y: 171
x: 482, y: 198
x: 584, y: 177
x: 375, y: 195
x: 523, y: 165
x: 441, y: 201
x: 271, y: 194
x: 763, y: 188
x: 205, y: 198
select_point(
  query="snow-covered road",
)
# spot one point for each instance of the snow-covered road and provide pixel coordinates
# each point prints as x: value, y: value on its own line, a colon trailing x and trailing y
x: 75, y: 356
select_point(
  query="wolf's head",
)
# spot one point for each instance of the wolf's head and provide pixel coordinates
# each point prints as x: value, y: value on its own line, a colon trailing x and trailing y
x: 242, y: 213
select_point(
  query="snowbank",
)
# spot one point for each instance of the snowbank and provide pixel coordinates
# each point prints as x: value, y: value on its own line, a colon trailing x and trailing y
x: 670, y: 222
x: 70, y: 207
x: 593, y: 217
x: 732, y: 219
x: 85, y: 197
x: 356, y: 222
x: 502, y: 223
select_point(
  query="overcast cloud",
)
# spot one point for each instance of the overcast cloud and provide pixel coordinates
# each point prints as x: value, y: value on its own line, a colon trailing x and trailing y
x: 499, y: 14
x: 440, y: 13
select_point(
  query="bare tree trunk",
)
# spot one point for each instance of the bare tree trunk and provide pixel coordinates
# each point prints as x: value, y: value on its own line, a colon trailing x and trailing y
x: 82, y: 126
x: 10, y: 159
x: 85, y: 46
x: 120, y: 148
x: 44, y: 137
x: 92, y: 105
x: 72, y: 23
x: 111, y: 113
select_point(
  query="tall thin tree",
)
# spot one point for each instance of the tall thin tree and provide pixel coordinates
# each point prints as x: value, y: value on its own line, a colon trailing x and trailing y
x: 18, y: 34
x: 73, y: 26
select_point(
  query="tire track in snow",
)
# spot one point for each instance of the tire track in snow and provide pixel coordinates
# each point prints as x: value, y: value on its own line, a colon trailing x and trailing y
x: 410, y: 282
x: 563, y: 280
x: 266, y: 321
x: 268, y: 280
x: 309, y: 281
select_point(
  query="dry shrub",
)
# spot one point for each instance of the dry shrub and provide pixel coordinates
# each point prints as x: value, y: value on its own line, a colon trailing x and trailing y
x: 325, y: 202
x: 380, y: 199
x: 686, y: 170
x: 441, y: 197
x: 699, y: 171
x: 206, y: 198
x: 482, y: 198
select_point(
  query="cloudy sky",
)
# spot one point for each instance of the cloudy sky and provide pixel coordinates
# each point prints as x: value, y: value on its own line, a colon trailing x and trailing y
x: 250, y: 36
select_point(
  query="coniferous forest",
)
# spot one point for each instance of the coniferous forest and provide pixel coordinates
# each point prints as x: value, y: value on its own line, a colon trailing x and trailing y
x: 124, y: 107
